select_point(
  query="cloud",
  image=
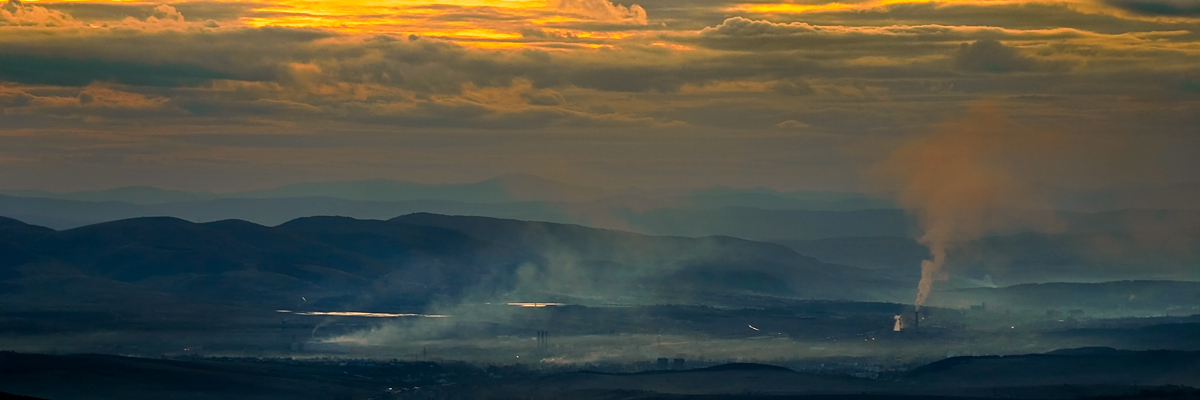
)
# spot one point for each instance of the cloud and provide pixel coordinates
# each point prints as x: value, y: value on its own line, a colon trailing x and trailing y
x: 89, y: 104
x: 793, y: 87
x: 792, y: 124
x: 14, y: 98
x: 604, y: 10
x: 161, y: 17
x: 150, y: 58
x: 543, y: 98
x: 744, y: 27
x: 100, y: 96
x: 80, y: 72
x: 875, y: 71
x: 743, y: 34
x: 14, y: 13
x: 991, y: 56
x: 100, y: 12
x: 472, y: 111
x: 1178, y: 8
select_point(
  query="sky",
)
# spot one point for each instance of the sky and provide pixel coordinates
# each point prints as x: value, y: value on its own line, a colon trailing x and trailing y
x: 802, y: 94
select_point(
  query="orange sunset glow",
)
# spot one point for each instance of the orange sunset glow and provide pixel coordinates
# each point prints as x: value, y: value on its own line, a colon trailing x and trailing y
x: 404, y: 81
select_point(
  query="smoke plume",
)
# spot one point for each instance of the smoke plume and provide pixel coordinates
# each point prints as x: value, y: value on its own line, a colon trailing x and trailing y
x: 959, y: 181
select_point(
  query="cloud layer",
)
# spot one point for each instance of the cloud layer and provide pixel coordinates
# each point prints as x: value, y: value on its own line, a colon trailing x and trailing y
x: 588, y: 88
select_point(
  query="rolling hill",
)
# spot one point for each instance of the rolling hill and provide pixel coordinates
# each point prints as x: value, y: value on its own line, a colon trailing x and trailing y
x: 403, y: 262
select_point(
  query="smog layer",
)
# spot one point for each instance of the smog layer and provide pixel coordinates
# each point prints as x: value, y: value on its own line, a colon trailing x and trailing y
x: 441, y: 306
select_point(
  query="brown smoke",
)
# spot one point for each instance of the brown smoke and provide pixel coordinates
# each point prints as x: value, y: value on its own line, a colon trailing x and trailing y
x: 959, y: 182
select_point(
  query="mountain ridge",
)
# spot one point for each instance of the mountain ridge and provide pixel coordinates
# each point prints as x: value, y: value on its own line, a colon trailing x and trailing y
x: 499, y: 189
x: 408, y: 261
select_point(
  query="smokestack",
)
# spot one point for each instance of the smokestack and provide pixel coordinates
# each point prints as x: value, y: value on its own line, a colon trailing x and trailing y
x: 917, y: 320
x: 543, y: 340
x: 957, y: 182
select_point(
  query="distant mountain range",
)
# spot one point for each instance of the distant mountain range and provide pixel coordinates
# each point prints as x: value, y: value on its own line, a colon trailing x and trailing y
x: 130, y: 195
x: 834, y: 227
x: 529, y: 188
x: 640, y: 215
x: 1103, y: 298
x: 1088, y: 247
x: 408, y: 261
x: 502, y: 189
x: 509, y: 196
x: 1091, y: 248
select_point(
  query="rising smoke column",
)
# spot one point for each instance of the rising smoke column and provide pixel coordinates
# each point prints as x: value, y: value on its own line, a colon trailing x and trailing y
x: 958, y: 180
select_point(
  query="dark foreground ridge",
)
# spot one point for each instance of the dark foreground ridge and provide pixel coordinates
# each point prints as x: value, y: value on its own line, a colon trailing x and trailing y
x: 7, y: 396
x: 1176, y: 394
x: 94, y: 376
x: 1085, y: 366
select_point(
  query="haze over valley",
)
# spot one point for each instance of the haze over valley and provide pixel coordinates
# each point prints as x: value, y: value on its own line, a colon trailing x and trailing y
x: 600, y: 199
x: 704, y: 281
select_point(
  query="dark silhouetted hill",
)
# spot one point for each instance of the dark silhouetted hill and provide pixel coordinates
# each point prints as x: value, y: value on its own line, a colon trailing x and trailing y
x: 7, y: 396
x: 406, y: 261
x: 1089, y: 247
x: 93, y: 376
x: 1087, y: 367
x: 722, y: 379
